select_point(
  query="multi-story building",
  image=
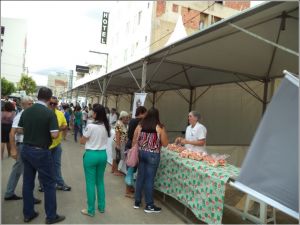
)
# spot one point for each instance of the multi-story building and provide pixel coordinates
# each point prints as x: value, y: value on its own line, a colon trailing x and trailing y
x: 138, y: 28
x: 13, y: 48
x: 58, y: 83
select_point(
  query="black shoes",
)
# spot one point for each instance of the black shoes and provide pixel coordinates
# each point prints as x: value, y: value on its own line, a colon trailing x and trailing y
x: 27, y: 220
x: 13, y: 197
x: 37, y: 201
x: 56, y: 220
x: 41, y: 189
x: 63, y: 188
x: 152, y: 209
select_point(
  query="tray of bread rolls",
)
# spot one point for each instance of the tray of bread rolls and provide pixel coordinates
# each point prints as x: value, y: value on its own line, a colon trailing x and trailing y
x: 211, y: 159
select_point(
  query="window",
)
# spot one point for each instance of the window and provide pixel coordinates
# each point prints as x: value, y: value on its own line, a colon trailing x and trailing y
x: 203, y: 20
x: 139, y: 17
x: 146, y: 38
x: 201, y: 25
x: 148, y: 5
x: 219, y: 2
x: 2, y: 30
x: 1, y: 42
x: 175, y: 8
x: 215, y: 19
x: 136, y: 44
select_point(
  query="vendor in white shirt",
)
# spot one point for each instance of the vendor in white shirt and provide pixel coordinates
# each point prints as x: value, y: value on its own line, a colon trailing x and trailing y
x: 195, y: 134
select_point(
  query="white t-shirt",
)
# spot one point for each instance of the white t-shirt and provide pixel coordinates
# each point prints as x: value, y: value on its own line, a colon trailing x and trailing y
x: 90, y: 114
x: 18, y: 137
x: 84, y: 115
x: 112, y: 118
x: 198, y: 132
x: 97, y: 135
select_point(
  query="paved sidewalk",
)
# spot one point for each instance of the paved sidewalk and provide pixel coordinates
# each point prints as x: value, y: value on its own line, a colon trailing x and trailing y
x: 119, y: 209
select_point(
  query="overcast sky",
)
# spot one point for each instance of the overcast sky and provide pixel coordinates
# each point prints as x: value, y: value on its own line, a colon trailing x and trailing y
x: 60, y: 33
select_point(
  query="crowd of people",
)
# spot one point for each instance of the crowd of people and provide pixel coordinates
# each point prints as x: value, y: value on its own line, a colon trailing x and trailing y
x: 35, y: 134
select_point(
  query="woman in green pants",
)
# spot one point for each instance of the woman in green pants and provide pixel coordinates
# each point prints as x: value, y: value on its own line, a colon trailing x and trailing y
x: 95, y: 138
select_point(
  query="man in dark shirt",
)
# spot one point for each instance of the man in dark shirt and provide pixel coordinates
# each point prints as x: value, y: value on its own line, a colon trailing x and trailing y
x: 39, y: 125
x: 139, y: 115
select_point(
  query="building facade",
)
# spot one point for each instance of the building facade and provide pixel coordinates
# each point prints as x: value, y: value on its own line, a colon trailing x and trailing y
x: 13, y: 48
x: 58, y: 83
x: 151, y: 24
x: 138, y: 28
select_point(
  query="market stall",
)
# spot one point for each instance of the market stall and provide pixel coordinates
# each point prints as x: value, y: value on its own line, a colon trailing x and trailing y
x: 196, y: 184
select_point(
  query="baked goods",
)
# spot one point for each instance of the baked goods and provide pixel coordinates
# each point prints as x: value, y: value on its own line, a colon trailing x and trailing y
x: 212, y: 160
x: 175, y: 148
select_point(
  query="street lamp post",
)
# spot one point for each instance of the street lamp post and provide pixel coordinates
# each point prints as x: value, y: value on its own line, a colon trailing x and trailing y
x: 102, y: 53
x: 104, y: 81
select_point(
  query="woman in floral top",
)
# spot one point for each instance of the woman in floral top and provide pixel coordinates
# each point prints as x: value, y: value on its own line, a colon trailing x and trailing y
x: 120, y: 141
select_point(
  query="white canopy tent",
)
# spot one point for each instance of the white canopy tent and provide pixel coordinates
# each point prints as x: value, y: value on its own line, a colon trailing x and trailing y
x: 247, y: 51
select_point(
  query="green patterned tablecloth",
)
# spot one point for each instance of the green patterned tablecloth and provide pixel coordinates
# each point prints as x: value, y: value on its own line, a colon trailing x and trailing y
x: 197, y: 185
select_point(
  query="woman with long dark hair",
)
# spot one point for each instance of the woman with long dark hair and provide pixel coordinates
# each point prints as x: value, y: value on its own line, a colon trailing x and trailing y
x: 7, y: 117
x: 95, y: 137
x: 150, y: 136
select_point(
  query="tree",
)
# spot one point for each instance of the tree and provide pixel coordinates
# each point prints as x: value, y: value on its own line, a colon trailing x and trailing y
x: 7, y: 87
x: 27, y: 84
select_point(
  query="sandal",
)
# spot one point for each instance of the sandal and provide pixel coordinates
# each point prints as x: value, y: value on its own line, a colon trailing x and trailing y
x: 85, y: 212
x: 129, y: 195
x: 118, y: 173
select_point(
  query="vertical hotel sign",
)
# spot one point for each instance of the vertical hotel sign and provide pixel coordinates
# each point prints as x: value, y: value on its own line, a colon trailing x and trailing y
x: 104, y: 27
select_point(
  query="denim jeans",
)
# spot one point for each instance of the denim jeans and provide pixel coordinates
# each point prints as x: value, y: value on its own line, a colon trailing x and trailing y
x: 56, y: 154
x: 15, y: 174
x: 38, y: 160
x: 148, y: 164
x: 77, y: 128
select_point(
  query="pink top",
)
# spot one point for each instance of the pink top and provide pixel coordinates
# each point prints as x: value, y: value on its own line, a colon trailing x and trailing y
x: 7, y: 117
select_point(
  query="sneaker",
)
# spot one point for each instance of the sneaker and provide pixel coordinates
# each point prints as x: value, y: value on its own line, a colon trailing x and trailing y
x: 136, y: 205
x: 152, y: 209
x: 63, y: 188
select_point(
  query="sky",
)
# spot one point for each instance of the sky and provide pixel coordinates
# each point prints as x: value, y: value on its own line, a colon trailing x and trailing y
x: 60, y: 33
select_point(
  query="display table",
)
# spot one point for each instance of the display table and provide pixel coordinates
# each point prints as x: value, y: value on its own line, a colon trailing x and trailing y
x: 195, y: 184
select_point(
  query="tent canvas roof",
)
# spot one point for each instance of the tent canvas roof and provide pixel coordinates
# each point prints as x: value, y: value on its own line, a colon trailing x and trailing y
x: 218, y: 54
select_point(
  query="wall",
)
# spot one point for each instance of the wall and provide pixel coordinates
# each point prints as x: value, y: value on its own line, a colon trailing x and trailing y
x: 238, y: 5
x: 129, y: 32
x: 165, y: 15
x: 14, y: 48
x: 230, y: 114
